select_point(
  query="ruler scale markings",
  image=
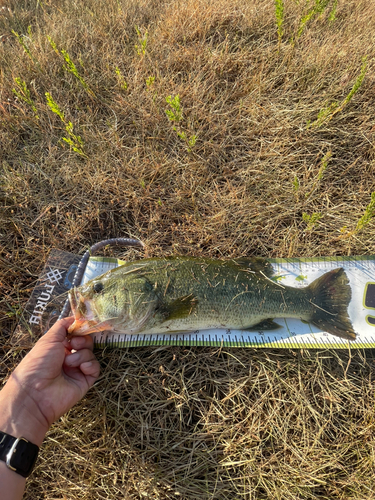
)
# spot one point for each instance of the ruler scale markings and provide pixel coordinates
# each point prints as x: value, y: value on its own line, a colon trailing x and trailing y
x: 315, y: 341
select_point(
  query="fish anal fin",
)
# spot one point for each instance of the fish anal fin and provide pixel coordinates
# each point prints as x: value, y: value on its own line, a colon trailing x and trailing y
x: 256, y: 264
x: 267, y: 324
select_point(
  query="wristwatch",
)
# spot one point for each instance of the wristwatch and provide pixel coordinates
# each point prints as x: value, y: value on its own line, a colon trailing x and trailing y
x: 18, y: 453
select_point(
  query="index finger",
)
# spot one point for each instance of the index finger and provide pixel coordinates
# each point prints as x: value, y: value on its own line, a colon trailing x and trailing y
x: 84, y: 342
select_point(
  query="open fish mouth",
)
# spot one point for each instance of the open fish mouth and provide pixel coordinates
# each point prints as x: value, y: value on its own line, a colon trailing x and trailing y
x: 73, y: 301
x: 80, y: 322
x: 85, y: 320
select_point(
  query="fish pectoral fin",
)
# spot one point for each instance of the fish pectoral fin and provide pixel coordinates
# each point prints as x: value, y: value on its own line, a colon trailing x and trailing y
x: 256, y: 264
x: 267, y: 324
x: 180, y: 308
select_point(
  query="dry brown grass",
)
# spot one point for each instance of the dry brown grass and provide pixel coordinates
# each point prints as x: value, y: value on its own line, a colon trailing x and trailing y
x: 193, y: 423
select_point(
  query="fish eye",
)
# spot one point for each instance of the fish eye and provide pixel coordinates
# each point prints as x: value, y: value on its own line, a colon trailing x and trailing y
x: 98, y: 287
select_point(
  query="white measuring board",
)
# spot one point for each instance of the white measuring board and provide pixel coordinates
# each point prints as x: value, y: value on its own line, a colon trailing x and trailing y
x: 297, y: 272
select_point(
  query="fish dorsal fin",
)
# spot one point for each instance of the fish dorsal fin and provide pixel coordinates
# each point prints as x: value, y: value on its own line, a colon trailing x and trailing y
x: 181, y: 308
x: 256, y: 264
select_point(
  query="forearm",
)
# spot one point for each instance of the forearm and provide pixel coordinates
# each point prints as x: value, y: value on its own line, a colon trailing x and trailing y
x: 12, y: 485
x: 19, y: 418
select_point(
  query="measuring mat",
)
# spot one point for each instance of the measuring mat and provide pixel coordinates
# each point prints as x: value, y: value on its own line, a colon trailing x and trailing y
x: 47, y: 300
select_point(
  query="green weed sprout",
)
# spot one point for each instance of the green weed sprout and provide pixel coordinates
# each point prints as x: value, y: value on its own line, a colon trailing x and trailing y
x: 121, y: 78
x: 142, y: 39
x: 74, y: 141
x: 368, y: 214
x: 332, y: 15
x: 323, y: 167
x: 279, y: 12
x: 324, y: 114
x: 181, y: 135
x: 21, y: 40
x: 54, y: 107
x: 191, y: 142
x: 23, y: 44
x: 324, y: 164
x: 311, y: 220
x: 175, y: 115
x: 316, y: 10
x: 363, y: 221
x: 53, y: 45
x: 149, y: 81
x: 70, y: 66
x: 357, y: 83
x: 295, y: 184
x: 23, y: 94
x: 328, y: 112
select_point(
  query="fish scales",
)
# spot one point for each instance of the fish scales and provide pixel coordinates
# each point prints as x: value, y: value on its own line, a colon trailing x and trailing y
x: 181, y: 294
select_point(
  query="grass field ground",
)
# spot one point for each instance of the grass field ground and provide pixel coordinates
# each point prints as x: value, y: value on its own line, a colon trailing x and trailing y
x: 209, y: 127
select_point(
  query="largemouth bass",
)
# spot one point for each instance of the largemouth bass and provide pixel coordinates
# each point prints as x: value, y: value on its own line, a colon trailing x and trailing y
x: 182, y: 294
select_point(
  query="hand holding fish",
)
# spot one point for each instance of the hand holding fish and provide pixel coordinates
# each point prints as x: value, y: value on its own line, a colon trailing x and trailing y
x: 47, y: 383
x: 44, y: 386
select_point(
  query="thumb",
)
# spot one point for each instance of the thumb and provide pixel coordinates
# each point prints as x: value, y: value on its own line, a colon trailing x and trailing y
x: 58, y: 332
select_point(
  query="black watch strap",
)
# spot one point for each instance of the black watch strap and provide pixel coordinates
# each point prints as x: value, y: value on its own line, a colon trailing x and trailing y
x: 18, y: 453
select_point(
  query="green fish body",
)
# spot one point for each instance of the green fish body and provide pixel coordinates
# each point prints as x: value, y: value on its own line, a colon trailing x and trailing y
x: 182, y: 294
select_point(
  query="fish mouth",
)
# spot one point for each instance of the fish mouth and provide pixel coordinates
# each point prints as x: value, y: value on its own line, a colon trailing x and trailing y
x: 85, y: 319
x: 73, y: 301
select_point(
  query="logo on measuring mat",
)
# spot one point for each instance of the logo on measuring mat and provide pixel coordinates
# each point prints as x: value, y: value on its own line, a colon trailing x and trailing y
x: 53, y: 276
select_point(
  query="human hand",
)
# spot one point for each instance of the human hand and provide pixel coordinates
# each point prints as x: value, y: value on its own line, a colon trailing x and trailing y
x: 47, y: 383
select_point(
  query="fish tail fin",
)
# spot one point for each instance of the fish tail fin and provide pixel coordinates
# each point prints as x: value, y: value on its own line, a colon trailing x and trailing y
x: 330, y: 295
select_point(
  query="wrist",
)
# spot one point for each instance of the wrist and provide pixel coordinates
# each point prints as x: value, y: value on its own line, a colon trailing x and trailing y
x: 20, y: 415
